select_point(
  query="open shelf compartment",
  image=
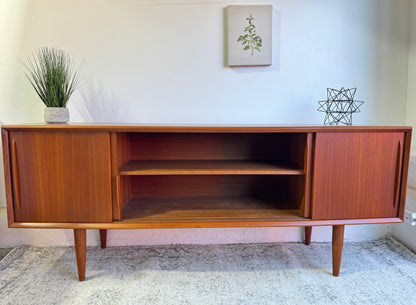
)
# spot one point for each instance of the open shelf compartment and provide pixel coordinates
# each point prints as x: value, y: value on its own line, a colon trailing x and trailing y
x: 211, y: 153
x: 205, y: 198
x: 205, y: 209
x: 208, y: 177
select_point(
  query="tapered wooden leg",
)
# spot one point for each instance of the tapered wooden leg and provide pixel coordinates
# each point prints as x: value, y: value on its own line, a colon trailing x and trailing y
x: 337, y: 243
x: 308, y: 233
x: 80, y: 238
x: 103, y: 238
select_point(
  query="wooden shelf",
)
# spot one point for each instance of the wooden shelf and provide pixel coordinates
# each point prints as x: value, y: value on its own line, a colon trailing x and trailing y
x: 205, y: 209
x: 208, y: 167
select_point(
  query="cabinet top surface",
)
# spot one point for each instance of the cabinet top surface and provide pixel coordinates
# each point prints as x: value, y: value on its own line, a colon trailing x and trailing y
x: 201, y: 128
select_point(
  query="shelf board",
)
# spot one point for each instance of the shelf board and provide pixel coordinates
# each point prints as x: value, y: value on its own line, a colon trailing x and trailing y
x: 205, y: 209
x: 208, y: 167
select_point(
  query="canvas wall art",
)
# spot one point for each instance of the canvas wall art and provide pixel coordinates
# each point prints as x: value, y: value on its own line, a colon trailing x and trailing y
x: 249, y: 35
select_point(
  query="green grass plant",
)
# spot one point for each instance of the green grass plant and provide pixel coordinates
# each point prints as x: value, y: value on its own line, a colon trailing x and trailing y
x: 51, y: 73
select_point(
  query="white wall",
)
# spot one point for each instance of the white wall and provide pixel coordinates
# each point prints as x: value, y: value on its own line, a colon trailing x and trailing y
x: 163, y: 62
x: 404, y: 232
x: 411, y: 85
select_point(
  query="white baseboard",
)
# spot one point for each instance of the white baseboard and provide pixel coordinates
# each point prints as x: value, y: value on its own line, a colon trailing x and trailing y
x: 404, y: 232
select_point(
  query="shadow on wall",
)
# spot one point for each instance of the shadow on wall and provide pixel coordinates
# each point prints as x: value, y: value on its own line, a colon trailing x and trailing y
x: 99, y: 105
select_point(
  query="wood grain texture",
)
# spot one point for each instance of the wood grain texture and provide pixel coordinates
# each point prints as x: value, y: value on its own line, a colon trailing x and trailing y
x: 309, y: 157
x: 80, y: 240
x: 205, y: 128
x: 15, y: 177
x: 218, y: 146
x: 405, y: 170
x: 308, y: 235
x: 7, y: 176
x: 398, y: 178
x: 208, y: 167
x: 202, y: 209
x: 114, y: 171
x: 103, y: 238
x: 337, y: 244
x: 280, y: 188
x: 124, y: 155
x: 63, y: 176
x: 354, y: 175
x: 208, y: 224
x: 120, y: 154
x: 224, y: 186
x: 118, y: 201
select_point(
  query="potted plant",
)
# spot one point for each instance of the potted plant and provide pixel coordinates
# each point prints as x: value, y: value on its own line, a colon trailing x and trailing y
x: 52, y: 75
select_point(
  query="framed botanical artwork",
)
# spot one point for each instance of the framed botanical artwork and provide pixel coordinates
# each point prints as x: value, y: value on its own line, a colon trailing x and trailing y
x: 249, y: 35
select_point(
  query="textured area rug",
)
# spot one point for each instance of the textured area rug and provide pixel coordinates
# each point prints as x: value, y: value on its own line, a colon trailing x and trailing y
x: 379, y: 272
x: 4, y: 252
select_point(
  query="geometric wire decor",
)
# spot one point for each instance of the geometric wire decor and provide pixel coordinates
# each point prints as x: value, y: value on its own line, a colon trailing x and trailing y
x: 340, y: 106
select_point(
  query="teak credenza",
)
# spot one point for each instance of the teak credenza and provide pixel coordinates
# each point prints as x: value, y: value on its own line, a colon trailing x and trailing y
x: 125, y: 176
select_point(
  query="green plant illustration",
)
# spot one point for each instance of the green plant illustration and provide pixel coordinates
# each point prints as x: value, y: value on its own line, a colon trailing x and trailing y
x: 250, y: 40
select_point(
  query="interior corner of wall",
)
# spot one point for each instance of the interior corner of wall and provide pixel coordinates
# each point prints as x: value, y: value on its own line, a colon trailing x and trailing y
x: 411, y: 180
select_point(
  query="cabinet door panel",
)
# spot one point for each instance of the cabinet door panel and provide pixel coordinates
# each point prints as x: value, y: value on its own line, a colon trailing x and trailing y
x: 356, y: 175
x: 61, y: 176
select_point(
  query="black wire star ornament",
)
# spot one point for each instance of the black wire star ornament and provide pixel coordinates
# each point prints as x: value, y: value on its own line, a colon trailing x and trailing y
x: 339, y: 106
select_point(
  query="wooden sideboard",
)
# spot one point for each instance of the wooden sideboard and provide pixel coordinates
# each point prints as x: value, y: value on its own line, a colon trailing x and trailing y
x: 132, y: 176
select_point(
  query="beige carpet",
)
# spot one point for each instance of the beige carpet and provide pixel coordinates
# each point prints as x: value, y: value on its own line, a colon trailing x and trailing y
x: 379, y: 272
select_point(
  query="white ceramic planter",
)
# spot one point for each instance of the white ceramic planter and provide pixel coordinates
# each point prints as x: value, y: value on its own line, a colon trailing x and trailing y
x: 56, y: 115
